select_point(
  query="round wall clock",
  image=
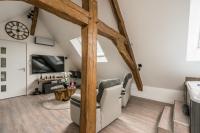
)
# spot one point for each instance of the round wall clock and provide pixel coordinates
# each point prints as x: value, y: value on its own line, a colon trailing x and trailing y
x: 17, y: 30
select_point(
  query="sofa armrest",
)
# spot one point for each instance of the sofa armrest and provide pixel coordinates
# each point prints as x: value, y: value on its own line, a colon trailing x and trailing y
x: 76, y: 98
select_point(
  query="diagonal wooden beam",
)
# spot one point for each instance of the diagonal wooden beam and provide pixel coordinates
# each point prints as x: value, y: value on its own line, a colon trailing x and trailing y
x: 122, y: 29
x: 34, y: 20
x: 108, y: 32
x: 89, y: 61
x: 120, y: 43
x: 129, y: 61
x: 120, y: 22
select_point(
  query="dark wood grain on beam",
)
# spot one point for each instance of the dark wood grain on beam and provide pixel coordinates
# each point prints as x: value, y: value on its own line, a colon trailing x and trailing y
x: 122, y: 29
x: 34, y: 20
x: 89, y: 60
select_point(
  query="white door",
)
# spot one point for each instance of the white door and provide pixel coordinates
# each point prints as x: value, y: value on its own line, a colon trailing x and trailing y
x: 12, y: 69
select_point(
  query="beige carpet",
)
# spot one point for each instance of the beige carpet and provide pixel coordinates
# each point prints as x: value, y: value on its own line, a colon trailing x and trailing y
x: 52, y: 104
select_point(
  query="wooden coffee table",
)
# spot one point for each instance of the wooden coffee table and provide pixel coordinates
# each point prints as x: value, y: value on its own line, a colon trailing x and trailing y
x: 64, y: 94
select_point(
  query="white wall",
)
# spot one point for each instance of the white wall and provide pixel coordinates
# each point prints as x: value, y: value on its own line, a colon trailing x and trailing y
x: 158, y: 94
x: 35, y: 49
x: 158, y: 30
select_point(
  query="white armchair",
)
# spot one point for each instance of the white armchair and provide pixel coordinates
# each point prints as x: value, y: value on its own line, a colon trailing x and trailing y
x: 108, y: 104
x: 126, y: 91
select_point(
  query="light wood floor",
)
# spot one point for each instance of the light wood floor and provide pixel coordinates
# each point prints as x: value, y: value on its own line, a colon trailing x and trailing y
x: 26, y: 115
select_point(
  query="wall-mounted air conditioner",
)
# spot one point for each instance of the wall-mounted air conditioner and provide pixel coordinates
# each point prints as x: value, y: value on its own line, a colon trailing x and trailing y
x: 44, y: 41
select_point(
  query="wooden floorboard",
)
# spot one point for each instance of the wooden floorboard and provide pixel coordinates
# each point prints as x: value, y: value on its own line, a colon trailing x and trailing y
x: 27, y: 115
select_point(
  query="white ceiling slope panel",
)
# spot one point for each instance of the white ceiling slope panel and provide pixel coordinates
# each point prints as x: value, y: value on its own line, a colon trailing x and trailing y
x: 13, y: 9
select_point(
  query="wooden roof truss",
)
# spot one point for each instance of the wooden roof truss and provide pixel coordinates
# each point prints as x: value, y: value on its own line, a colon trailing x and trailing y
x: 86, y: 17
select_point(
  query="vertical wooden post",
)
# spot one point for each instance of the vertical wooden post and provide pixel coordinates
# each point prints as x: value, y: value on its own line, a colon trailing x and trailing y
x: 89, y: 59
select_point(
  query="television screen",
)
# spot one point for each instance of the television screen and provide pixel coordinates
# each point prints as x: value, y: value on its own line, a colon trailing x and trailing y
x: 47, y: 64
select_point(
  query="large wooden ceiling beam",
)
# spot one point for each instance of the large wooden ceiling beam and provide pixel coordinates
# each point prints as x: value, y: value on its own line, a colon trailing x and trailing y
x: 122, y: 29
x: 34, y: 20
x: 70, y: 11
x: 89, y: 60
x: 64, y: 9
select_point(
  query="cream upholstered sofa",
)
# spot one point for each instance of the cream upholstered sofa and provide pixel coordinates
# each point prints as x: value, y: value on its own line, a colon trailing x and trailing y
x: 126, y: 91
x: 108, y: 106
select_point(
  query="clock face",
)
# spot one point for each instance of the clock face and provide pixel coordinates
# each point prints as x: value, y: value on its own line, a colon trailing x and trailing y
x: 17, y: 30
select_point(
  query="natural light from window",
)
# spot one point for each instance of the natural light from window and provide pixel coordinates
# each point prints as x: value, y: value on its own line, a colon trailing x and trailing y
x: 193, y: 48
x: 76, y: 42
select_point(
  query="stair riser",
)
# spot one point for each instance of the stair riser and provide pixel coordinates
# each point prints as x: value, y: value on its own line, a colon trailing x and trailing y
x: 180, y: 120
x: 178, y: 128
x: 165, y: 124
x: 160, y: 130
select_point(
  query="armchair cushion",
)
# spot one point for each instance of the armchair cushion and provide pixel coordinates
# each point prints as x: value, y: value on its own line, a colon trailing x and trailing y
x: 127, y: 77
x: 126, y: 91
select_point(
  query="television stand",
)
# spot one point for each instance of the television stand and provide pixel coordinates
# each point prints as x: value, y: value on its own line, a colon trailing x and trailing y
x: 49, y: 80
x: 48, y: 86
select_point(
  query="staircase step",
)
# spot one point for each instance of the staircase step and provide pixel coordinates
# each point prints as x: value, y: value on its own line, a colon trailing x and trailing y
x: 165, y: 123
x: 180, y: 120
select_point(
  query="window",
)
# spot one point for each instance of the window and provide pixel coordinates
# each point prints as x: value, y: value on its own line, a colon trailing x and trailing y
x: 193, y: 48
x: 100, y: 54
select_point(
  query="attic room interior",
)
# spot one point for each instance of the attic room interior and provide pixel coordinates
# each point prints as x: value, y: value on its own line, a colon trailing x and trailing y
x: 88, y: 66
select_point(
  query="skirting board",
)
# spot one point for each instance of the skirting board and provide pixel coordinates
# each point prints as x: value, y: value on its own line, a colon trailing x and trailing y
x: 158, y: 94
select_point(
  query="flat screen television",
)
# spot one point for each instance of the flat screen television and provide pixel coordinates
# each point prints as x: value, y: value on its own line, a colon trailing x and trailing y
x: 47, y: 64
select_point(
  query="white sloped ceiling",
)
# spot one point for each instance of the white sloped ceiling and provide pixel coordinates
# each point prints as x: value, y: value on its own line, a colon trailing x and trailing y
x: 10, y: 9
